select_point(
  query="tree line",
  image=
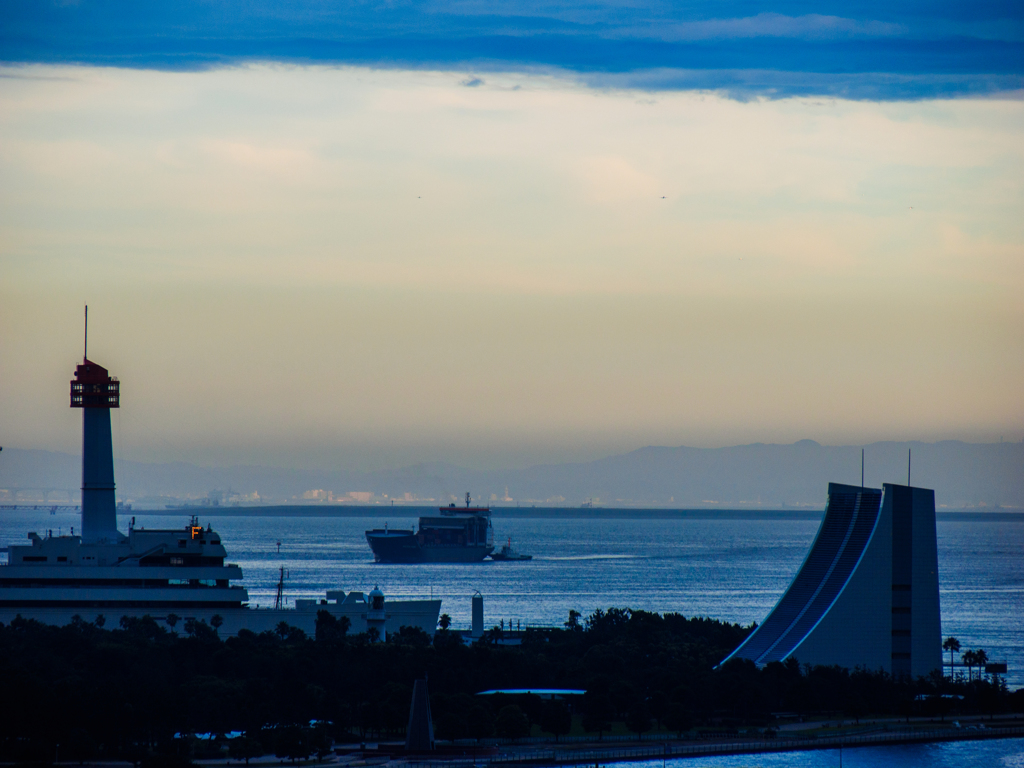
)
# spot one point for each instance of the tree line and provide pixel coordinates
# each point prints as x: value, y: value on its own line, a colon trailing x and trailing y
x: 85, y: 692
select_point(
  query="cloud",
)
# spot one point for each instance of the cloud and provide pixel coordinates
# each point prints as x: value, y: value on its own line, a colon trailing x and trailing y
x: 917, y: 51
x: 809, y: 27
x: 426, y: 267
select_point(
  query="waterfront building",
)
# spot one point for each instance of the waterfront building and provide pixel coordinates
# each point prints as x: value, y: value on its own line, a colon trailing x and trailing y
x: 172, y: 575
x: 867, y: 594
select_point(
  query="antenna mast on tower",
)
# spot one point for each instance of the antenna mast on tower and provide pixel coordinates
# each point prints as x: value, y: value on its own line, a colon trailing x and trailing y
x: 85, y: 351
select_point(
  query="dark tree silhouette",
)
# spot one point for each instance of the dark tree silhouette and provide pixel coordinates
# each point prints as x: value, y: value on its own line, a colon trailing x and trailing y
x: 678, y: 719
x: 969, y: 658
x: 77, y: 684
x: 555, y: 718
x: 450, y: 726
x: 638, y: 718
x: 245, y: 748
x: 479, y: 722
x: 981, y: 659
x: 597, y: 715
x: 292, y: 742
x: 330, y: 628
x: 511, y: 723
x: 952, y: 645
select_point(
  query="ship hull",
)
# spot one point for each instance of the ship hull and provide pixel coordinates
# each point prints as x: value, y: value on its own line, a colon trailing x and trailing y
x: 393, y: 547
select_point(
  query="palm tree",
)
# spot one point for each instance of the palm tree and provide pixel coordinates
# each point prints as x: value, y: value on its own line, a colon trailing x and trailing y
x: 981, y: 659
x: 969, y: 658
x: 952, y: 645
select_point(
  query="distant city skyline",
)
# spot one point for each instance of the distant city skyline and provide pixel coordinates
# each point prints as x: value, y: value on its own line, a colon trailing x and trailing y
x: 965, y: 476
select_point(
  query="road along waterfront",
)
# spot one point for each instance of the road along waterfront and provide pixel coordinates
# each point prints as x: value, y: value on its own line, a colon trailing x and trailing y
x: 592, y: 755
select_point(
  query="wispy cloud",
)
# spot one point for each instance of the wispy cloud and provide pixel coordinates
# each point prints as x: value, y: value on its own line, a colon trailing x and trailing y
x: 808, y: 27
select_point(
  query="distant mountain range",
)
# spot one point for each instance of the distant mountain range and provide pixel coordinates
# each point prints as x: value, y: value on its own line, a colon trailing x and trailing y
x: 964, y: 476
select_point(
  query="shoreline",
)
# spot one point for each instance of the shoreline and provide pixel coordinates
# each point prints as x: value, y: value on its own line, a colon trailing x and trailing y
x: 393, y: 755
x: 411, y: 511
x: 673, y: 749
x: 552, y: 513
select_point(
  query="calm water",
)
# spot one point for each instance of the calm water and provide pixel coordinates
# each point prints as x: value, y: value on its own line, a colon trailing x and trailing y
x: 728, y: 569
x: 997, y: 753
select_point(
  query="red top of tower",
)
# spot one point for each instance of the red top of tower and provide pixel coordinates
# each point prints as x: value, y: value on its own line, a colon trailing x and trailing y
x: 94, y: 387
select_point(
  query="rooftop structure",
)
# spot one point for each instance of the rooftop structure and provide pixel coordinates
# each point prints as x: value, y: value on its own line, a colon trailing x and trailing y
x: 544, y: 693
x: 867, y: 595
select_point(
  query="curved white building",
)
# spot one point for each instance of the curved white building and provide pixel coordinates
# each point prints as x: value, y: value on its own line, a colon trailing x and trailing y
x: 867, y: 595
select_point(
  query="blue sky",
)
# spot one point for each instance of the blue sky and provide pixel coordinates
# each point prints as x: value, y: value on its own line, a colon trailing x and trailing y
x: 856, y: 50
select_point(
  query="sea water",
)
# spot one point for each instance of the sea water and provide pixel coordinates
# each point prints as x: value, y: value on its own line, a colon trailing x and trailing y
x: 994, y: 753
x: 728, y: 569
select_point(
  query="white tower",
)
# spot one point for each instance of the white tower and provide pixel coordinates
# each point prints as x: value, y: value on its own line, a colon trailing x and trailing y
x: 95, y: 391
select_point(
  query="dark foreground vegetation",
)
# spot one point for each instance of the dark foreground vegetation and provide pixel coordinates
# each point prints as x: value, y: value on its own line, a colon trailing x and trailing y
x: 81, y: 692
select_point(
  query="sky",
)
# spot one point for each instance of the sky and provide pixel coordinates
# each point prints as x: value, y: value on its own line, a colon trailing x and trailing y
x: 364, y: 235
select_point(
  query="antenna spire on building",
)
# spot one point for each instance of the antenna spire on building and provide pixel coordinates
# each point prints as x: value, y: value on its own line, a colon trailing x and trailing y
x: 85, y: 351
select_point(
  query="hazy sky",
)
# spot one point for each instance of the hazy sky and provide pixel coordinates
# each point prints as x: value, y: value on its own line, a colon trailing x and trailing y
x: 306, y: 260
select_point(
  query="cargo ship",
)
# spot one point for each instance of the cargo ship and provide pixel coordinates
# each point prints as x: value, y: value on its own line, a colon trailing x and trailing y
x: 455, y: 535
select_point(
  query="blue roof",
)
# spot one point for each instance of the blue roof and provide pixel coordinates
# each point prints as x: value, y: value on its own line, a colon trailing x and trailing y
x: 534, y: 691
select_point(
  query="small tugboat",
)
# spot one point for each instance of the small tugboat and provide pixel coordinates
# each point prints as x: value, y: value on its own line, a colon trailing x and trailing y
x: 507, y: 554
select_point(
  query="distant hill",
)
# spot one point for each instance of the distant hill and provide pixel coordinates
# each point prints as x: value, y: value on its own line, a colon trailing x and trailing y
x: 964, y: 475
